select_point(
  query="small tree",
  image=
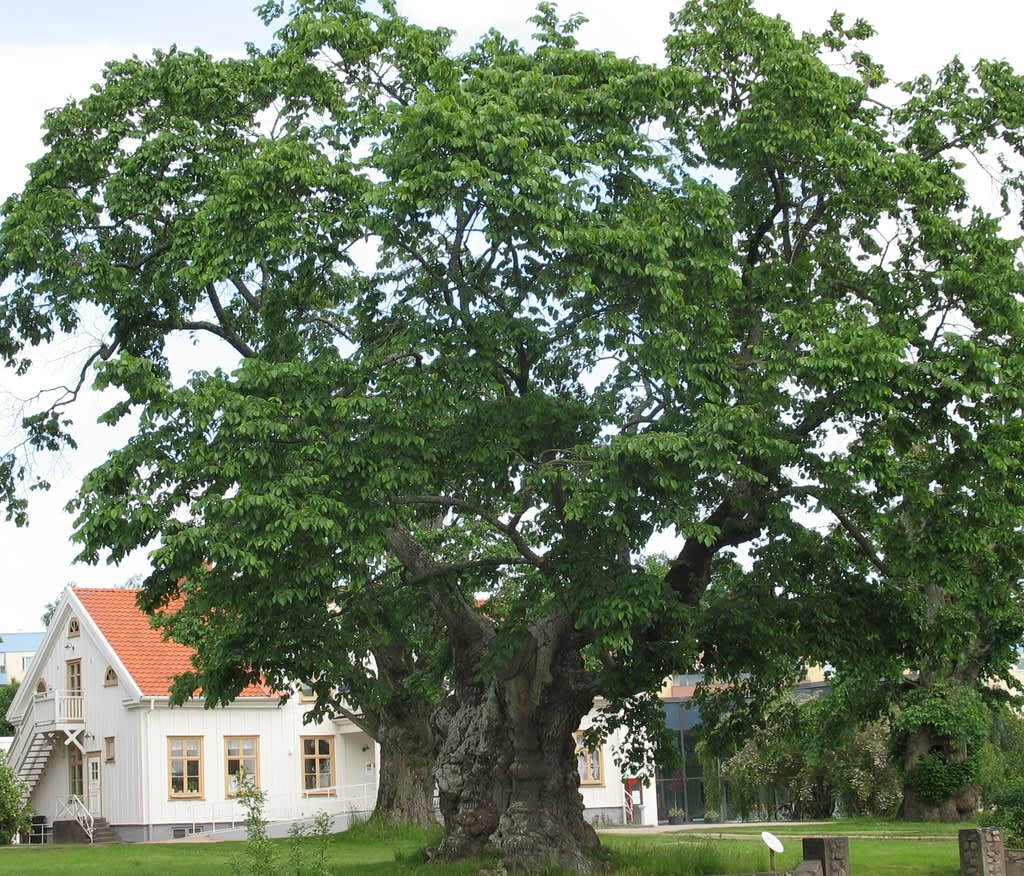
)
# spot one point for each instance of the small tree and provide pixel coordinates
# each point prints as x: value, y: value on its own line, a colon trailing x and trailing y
x: 258, y: 857
x: 7, y: 693
x: 15, y: 813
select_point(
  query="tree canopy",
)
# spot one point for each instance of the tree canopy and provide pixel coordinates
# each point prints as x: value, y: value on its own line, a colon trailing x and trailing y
x: 499, y: 317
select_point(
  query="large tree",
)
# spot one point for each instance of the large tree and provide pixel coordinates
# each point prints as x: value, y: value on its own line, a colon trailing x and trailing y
x: 501, y: 316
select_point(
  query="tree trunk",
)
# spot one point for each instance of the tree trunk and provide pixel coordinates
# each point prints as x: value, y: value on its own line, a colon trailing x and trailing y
x: 507, y: 773
x: 406, y: 789
x: 959, y: 806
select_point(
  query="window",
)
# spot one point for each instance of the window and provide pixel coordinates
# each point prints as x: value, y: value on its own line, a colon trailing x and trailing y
x: 26, y: 662
x: 306, y: 692
x: 110, y: 677
x: 74, y: 677
x: 318, y: 764
x: 76, y: 783
x: 185, y: 766
x: 241, y: 758
x: 108, y: 748
x: 589, y: 763
x: 73, y: 628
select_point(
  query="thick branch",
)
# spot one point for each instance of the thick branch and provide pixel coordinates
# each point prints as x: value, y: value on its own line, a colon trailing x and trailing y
x: 225, y: 329
x: 462, y: 620
x: 508, y: 531
x: 246, y: 293
x: 689, y: 574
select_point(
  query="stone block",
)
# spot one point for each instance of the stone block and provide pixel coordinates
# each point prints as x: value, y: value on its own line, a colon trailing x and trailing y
x: 1014, y: 860
x: 832, y: 852
x: 981, y: 852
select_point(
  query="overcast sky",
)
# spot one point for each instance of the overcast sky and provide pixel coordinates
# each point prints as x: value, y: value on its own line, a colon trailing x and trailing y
x: 52, y: 50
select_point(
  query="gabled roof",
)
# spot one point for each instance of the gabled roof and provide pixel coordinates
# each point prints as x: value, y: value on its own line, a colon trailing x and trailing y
x: 150, y: 659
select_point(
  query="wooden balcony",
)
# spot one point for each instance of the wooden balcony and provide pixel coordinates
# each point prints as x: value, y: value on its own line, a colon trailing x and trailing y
x: 57, y: 709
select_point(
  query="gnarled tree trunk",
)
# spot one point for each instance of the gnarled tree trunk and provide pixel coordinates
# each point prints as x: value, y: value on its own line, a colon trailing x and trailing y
x: 506, y: 772
x: 406, y: 782
x: 961, y: 805
x: 507, y: 775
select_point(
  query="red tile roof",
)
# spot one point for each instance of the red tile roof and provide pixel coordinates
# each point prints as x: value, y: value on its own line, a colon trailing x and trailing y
x: 149, y: 658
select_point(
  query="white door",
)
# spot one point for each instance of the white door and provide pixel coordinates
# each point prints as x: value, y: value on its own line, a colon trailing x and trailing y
x: 92, y: 782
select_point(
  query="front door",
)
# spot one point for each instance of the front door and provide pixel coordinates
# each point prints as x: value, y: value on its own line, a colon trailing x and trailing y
x: 92, y: 782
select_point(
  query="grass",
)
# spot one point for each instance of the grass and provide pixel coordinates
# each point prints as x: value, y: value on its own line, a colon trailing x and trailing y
x: 684, y: 853
x: 878, y: 827
x: 376, y: 850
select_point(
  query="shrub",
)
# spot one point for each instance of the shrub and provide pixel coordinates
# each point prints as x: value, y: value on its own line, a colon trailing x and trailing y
x: 1008, y: 812
x: 15, y: 814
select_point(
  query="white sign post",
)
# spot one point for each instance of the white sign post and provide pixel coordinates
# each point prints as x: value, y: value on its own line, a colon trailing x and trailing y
x: 774, y: 845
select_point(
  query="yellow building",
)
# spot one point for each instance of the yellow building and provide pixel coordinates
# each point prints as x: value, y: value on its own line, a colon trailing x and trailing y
x: 16, y: 653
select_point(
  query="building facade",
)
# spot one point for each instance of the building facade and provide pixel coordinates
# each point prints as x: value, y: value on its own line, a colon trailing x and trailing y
x: 97, y: 738
x: 16, y: 653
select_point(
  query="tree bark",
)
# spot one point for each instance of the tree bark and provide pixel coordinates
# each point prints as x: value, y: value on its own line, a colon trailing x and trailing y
x: 406, y: 788
x: 507, y: 772
x: 958, y: 807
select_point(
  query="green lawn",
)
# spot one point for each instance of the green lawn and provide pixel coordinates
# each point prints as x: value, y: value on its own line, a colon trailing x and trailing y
x: 368, y: 850
x: 882, y: 827
x: 684, y: 853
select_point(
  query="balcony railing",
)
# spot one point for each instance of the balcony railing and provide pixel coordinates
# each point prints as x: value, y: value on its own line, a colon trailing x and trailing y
x: 58, y: 707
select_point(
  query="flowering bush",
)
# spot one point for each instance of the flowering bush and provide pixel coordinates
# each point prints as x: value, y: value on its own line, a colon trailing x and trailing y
x: 15, y: 814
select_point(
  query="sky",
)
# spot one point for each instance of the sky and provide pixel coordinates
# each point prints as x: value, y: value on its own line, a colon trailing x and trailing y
x: 53, y: 50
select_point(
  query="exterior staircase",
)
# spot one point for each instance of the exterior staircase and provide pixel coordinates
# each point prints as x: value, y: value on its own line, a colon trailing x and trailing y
x: 31, y: 761
x: 103, y: 834
x: 49, y: 716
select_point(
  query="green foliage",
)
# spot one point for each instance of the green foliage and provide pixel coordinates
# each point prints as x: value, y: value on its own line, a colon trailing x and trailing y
x: 15, y: 813
x: 1007, y: 811
x: 954, y: 712
x: 1001, y: 759
x: 320, y: 829
x: 491, y: 319
x: 937, y: 779
x: 259, y: 855
x: 7, y: 693
x: 802, y: 755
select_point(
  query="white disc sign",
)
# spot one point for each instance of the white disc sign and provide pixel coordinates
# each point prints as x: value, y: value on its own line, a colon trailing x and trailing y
x: 773, y: 843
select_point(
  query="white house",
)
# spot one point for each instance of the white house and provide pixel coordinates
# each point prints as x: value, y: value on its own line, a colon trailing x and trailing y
x: 98, y: 740
x: 98, y: 743
x: 609, y: 795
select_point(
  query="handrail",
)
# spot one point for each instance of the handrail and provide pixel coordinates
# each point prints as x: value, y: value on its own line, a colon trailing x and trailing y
x: 76, y: 809
x: 286, y: 806
x: 22, y: 738
x: 61, y: 707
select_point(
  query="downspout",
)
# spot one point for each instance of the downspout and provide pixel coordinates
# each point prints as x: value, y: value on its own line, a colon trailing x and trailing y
x: 147, y: 814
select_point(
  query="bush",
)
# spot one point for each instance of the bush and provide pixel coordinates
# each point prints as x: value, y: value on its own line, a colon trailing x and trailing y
x: 15, y: 814
x: 1007, y: 812
x: 935, y: 779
